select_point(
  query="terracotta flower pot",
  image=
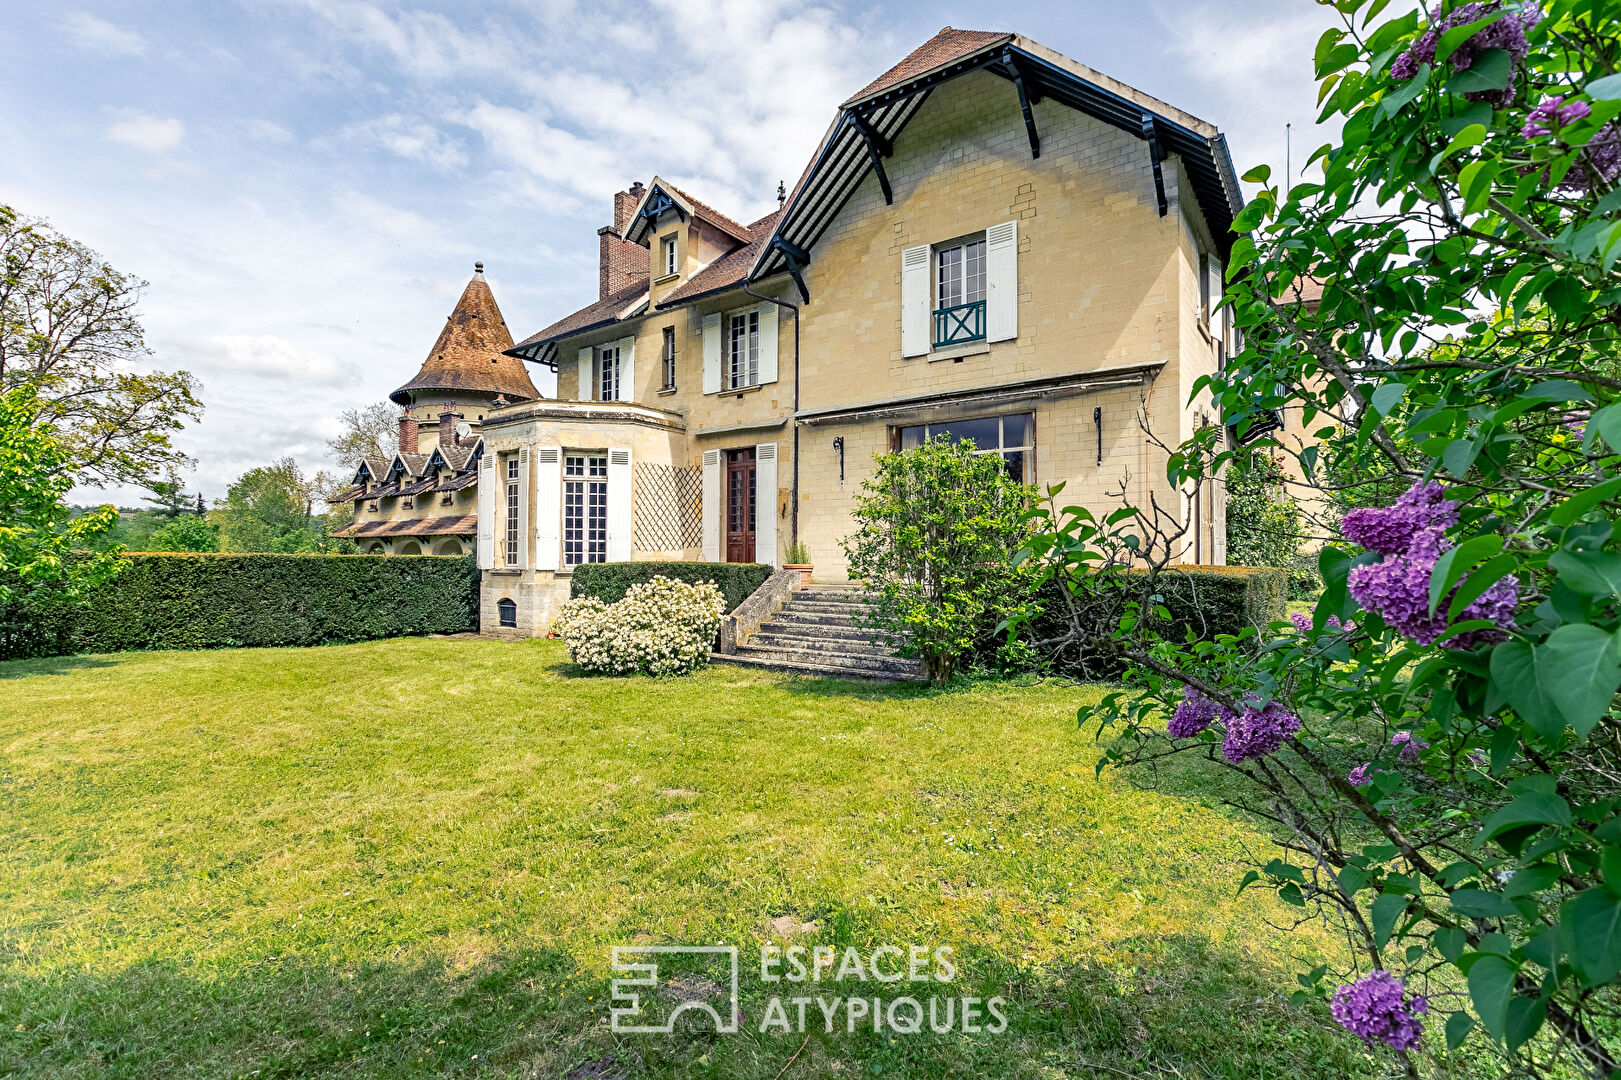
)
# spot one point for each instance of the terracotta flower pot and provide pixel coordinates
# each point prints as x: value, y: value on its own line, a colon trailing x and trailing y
x: 804, y: 572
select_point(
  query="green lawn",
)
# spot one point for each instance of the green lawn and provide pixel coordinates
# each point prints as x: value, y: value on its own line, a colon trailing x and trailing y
x: 411, y: 858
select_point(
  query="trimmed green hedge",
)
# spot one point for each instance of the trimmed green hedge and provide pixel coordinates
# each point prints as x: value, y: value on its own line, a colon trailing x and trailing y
x: 608, y: 581
x: 205, y: 601
x: 1206, y: 600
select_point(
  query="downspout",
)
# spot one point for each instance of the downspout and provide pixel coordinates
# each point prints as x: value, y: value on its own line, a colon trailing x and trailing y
x: 793, y: 521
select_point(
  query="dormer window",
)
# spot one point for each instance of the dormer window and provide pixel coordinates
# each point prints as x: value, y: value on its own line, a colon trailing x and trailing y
x: 667, y: 258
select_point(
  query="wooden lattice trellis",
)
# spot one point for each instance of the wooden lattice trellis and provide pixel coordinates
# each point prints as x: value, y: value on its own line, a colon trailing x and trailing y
x: 666, y: 507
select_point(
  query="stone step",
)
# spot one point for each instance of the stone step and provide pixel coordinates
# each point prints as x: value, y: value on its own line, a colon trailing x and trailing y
x: 816, y: 632
x: 878, y: 662
x: 825, y: 595
x: 766, y: 638
x: 820, y: 607
x: 796, y: 667
x: 790, y: 617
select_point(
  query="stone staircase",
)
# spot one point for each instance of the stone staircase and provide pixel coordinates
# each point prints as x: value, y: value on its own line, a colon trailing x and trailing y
x: 816, y: 633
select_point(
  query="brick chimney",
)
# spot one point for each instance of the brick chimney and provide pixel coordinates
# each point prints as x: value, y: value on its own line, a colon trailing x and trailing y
x: 448, y: 419
x: 408, y: 433
x: 619, y: 262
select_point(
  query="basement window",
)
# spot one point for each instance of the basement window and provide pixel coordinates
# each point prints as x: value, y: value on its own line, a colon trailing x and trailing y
x: 507, y: 611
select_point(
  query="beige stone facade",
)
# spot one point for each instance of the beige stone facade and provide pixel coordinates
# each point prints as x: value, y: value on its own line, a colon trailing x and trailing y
x: 1044, y: 292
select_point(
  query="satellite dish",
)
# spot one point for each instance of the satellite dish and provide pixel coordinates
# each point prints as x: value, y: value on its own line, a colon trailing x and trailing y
x: 463, y: 430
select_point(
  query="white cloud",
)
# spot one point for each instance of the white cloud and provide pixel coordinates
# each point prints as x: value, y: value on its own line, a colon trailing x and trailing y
x: 145, y: 132
x: 412, y: 139
x: 269, y: 131
x: 277, y: 358
x: 100, y: 36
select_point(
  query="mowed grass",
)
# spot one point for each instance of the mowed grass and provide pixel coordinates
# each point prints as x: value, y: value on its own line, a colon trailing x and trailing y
x: 411, y: 858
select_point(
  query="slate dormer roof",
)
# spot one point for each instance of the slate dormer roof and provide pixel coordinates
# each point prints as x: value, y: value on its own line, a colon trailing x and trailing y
x: 471, y: 353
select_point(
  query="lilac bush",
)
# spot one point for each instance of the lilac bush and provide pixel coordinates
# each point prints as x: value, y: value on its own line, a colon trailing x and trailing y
x: 1507, y: 33
x: 1258, y: 731
x: 1196, y: 713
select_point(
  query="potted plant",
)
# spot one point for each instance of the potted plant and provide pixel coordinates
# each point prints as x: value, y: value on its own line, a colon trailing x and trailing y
x: 798, y: 558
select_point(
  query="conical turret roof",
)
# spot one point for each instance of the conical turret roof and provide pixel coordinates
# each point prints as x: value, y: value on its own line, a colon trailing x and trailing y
x: 470, y: 353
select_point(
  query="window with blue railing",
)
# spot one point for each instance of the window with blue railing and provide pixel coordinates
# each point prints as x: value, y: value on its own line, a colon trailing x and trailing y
x: 959, y: 292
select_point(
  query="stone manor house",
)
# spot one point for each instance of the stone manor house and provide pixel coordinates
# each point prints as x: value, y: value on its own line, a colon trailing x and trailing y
x: 991, y: 242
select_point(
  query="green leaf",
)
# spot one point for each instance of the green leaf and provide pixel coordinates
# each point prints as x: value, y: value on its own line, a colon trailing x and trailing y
x: 1386, y: 396
x: 1579, y: 668
x: 1525, y: 1016
x: 1459, y: 455
x: 1472, y: 135
x: 1459, y: 1024
x: 1480, y: 904
x: 1574, y: 507
x: 1258, y: 175
x: 1534, y: 809
x: 1450, y: 942
x: 1491, y: 986
x: 1453, y: 564
x: 1590, y: 924
x: 1558, y: 390
x: 1605, y: 89
x: 1591, y: 573
x: 1457, y: 35
x: 1398, y: 98
x: 1386, y: 910
x: 1490, y: 71
x: 1514, y: 674
x: 1478, y: 581
x: 1475, y: 183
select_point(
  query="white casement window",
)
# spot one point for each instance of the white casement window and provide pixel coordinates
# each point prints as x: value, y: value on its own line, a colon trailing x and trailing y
x: 585, y: 508
x: 1012, y: 437
x: 608, y: 373
x: 514, y: 524
x: 667, y: 250
x: 959, y: 282
x: 669, y: 358
x: 743, y: 350
x: 960, y: 291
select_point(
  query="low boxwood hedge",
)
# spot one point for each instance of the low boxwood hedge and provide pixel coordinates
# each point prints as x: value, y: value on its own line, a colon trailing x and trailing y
x: 608, y: 581
x: 206, y: 601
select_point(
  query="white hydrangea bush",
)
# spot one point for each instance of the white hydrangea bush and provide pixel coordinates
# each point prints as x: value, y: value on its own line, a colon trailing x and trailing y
x: 661, y: 627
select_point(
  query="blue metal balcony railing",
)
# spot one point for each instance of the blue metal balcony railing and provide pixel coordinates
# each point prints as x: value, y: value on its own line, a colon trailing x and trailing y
x: 955, y: 325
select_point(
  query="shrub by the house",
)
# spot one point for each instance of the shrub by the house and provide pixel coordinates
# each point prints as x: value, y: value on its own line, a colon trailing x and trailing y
x: 661, y: 627
x: 609, y: 581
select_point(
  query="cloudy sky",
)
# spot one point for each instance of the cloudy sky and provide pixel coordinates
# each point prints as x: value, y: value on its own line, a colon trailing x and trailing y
x: 307, y: 183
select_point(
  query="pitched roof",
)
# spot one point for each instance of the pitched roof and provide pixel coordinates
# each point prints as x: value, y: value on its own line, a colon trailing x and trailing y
x: 604, y: 312
x: 462, y: 525
x: 470, y: 354
x: 696, y: 207
x: 729, y: 270
x: 946, y: 47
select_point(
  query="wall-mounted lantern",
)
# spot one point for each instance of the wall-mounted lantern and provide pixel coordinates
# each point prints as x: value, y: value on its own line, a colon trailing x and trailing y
x: 838, y: 444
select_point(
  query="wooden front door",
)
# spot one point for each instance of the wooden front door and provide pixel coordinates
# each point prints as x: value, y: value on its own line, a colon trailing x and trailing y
x: 740, y: 505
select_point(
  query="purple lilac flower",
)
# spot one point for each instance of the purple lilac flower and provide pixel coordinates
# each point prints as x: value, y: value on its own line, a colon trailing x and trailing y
x: 1258, y: 731
x: 1361, y: 774
x: 1376, y: 1009
x: 1302, y: 621
x: 1411, y: 745
x: 1196, y: 713
x: 1506, y: 33
x: 1602, y: 153
x: 1391, y: 529
x: 1551, y: 113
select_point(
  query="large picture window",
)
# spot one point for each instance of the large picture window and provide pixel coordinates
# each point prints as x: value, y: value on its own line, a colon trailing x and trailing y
x: 744, y: 350
x: 585, y: 509
x: 1012, y: 437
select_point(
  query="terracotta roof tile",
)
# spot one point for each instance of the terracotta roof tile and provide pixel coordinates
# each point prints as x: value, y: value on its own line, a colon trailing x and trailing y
x: 601, y: 313
x: 946, y: 47
x: 463, y: 525
x: 471, y: 351
x: 715, y: 217
x: 727, y: 271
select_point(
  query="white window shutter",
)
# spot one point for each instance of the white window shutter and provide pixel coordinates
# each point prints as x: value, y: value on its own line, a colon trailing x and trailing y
x: 712, y: 354
x: 523, y: 508
x: 548, y: 506
x: 1002, y: 282
x: 765, y: 504
x: 486, y: 512
x: 712, y: 504
x: 619, y: 505
x: 916, y: 306
x: 585, y: 375
x: 626, y: 382
x: 768, y: 341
